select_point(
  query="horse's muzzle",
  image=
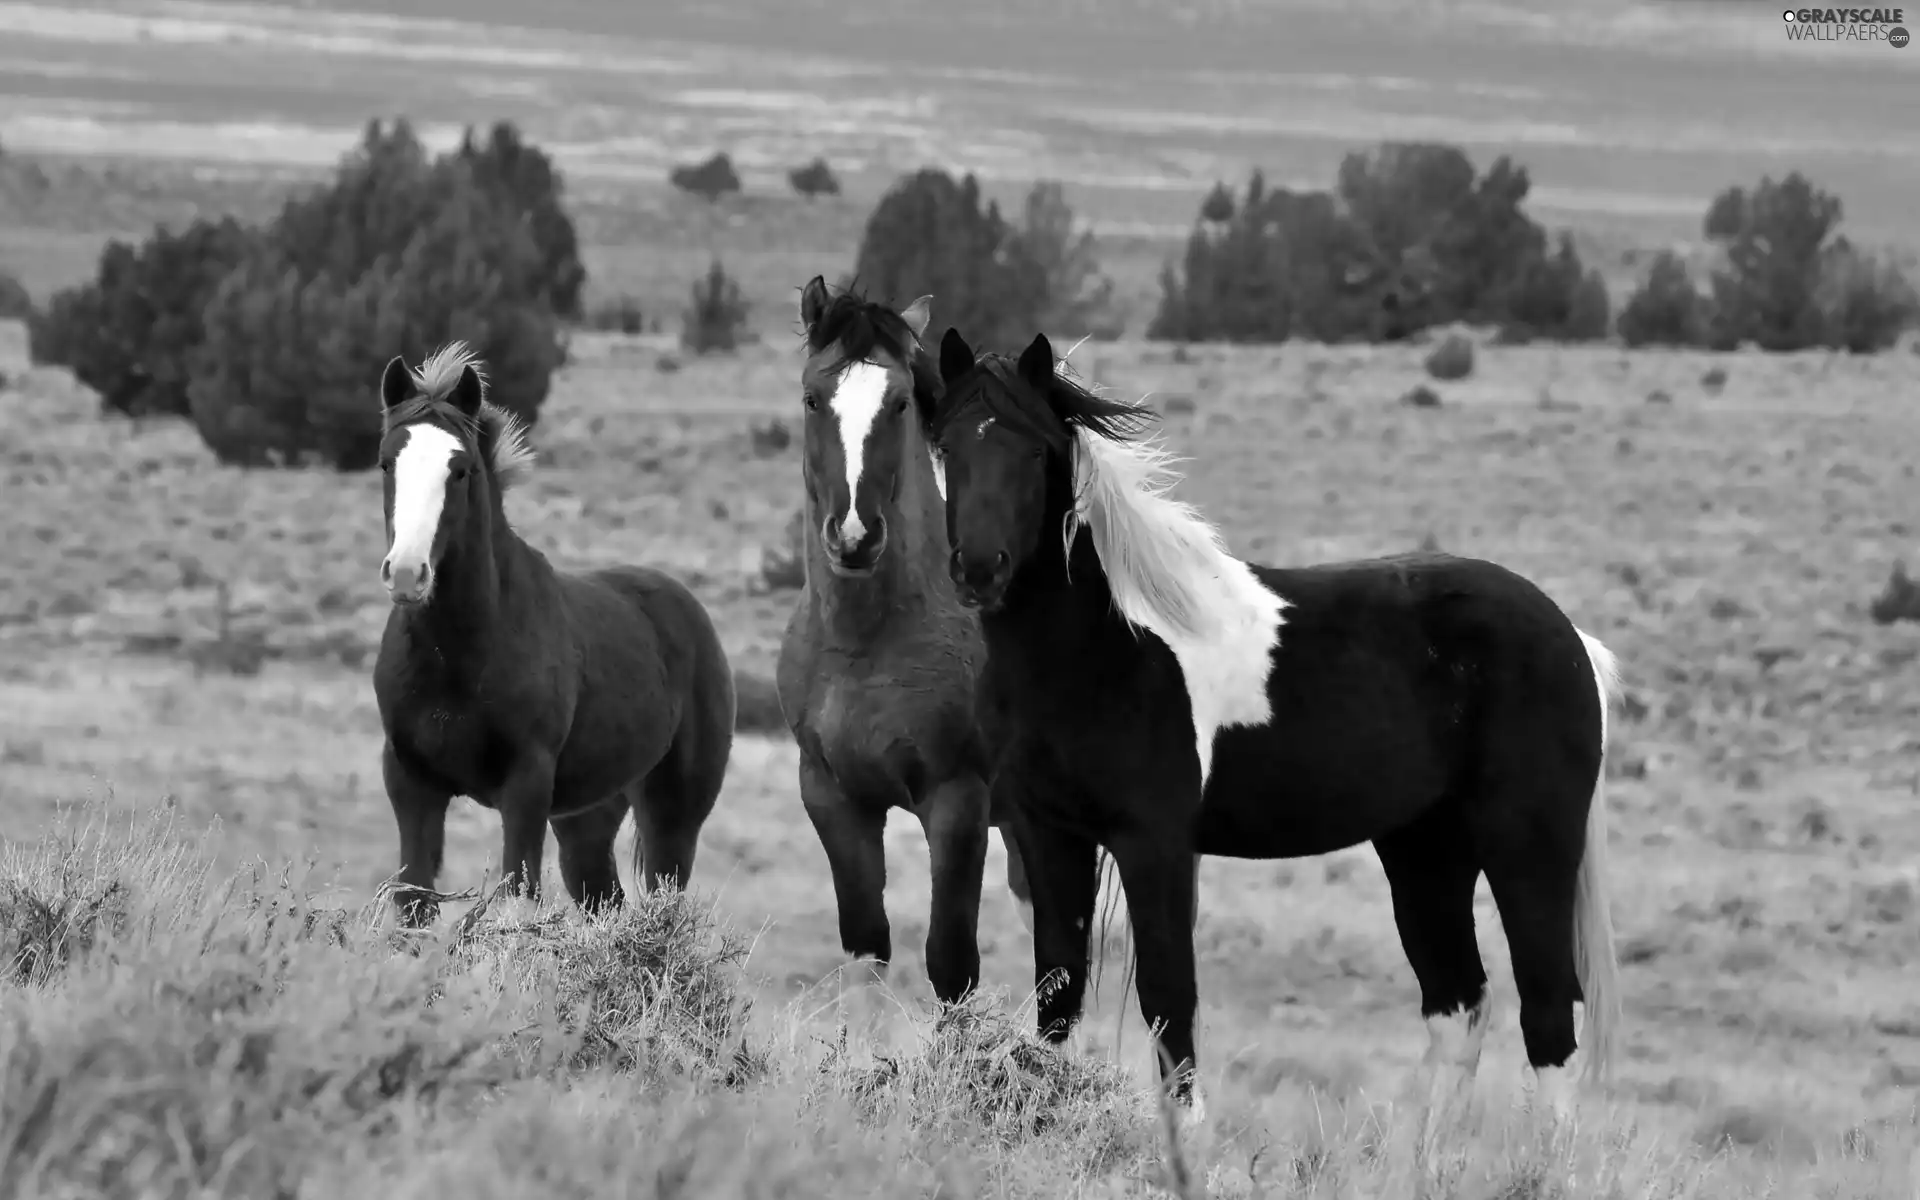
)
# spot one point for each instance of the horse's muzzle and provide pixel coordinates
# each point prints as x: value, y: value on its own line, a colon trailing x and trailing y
x: 407, y: 585
x: 981, y: 585
x: 854, y: 557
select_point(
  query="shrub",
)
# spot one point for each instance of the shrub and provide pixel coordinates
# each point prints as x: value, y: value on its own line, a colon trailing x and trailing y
x: 1217, y: 208
x: 1407, y: 238
x: 622, y: 314
x: 1079, y: 296
x: 16, y: 303
x: 1451, y: 359
x: 814, y: 179
x: 708, y: 180
x: 1776, y: 239
x: 713, y: 321
x: 524, y: 176
x: 1554, y: 296
x: 399, y: 256
x: 1666, y: 309
x: 931, y: 234
x: 131, y: 333
x: 1865, y: 301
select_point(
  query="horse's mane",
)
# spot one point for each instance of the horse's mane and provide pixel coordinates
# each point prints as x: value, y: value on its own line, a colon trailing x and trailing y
x: 501, y: 436
x: 1167, y: 566
x: 857, y: 327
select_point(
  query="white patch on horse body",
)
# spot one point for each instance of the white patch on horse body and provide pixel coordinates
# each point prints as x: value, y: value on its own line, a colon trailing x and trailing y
x: 1170, y: 573
x: 856, y: 404
x: 420, y: 473
x: 1025, y: 909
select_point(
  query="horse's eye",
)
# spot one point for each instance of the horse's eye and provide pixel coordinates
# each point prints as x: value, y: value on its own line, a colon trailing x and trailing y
x: 900, y: 405
x: 811, y: 401
x: 386, y: 466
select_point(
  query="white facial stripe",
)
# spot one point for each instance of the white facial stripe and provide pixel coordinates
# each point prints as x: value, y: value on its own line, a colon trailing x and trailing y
x: 939, y: 472
x: 856, y: 403
x: 420, y: 492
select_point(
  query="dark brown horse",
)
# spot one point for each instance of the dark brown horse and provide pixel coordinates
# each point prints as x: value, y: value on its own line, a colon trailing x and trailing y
x: 877, y: 668
x: 548, y: 696
x: 1147, y: 692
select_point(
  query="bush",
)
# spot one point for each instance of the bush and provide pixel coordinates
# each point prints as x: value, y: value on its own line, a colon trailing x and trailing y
x: 399, y: 255
x: 16, y: 303
x: 131, y: 334
x: 1666, y: 309
x: 1554, y: 296
x: 1409, y: 237
x: 713, y: 322
x: 1451, y: 359
x: 622, y: 314
x: 814, y: 179
x: 524, y: 176
x: 931, y: 234
x: 1776, y: 239
x: 708, y: 180
x: 1865, y: 301
x: 1079, y: 296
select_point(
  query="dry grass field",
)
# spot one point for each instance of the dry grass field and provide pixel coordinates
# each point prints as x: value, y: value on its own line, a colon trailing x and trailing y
x: 192, y: 639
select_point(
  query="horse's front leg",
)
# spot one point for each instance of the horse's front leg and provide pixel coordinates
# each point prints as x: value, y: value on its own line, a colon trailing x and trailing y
x: 1062, y: 870
x: 525, y: 802
x: 1158, y: 873
x: 955, y: 820
x: 420, y: 812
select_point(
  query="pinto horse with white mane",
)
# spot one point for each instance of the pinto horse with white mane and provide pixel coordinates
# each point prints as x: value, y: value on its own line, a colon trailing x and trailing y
x: 1148, y: 693
x: 878, y: 664
x: 545, y: 695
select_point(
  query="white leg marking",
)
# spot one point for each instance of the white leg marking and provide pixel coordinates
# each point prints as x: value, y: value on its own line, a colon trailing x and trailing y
x: 1553, y: 1093
x: 420, y: 494
x: 856, y: 403
x: 1453, y: 1055
x: 863, y: 1003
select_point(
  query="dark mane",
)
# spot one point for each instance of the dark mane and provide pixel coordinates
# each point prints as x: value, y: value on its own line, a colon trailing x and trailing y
x: 857, y: 327
x: 1054, y: 412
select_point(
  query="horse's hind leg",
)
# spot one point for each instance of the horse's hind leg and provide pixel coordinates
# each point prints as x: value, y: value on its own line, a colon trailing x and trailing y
x: 955, y: 819
x: 587, y: 864
x: 677, y: 797
x: 1533, y: 882
x: 1432, y: 869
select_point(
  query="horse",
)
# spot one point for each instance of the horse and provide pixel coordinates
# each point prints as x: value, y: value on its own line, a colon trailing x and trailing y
x: 549, y: 696
x: 877, y: 668
x: 1147, y: 693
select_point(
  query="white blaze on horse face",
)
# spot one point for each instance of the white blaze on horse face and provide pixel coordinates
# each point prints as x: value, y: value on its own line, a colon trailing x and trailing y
x: 420, y: 473
x: 856, y: 405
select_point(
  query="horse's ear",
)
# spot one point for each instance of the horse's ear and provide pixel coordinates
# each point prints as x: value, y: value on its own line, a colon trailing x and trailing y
x: 468, y: 393
x: 813, y: 302
x: 956, y: 357
x: 1036, y: 361
x: 917, y: 314
x: 396, y: 383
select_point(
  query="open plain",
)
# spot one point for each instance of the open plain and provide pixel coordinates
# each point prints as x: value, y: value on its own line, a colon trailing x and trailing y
x: 190, y: 644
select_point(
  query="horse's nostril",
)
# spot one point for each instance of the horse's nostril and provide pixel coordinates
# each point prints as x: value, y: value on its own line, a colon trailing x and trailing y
x: 954, y: 566
x: 386, y: 570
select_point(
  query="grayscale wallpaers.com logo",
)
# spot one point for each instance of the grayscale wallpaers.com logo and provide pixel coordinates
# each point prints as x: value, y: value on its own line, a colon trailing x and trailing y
x: 1848, y: 25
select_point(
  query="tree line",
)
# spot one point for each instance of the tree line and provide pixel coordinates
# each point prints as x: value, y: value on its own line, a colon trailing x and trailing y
x: 267, y: 337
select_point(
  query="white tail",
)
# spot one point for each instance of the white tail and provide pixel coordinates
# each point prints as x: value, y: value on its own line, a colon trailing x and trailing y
x: 1594, y: 963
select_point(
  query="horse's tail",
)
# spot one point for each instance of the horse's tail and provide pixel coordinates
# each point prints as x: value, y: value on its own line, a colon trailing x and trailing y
x: 1594, y: 963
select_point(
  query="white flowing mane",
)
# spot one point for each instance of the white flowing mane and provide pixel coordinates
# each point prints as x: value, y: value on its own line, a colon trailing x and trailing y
x: 1167, y: 566
x: 510, y: 457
